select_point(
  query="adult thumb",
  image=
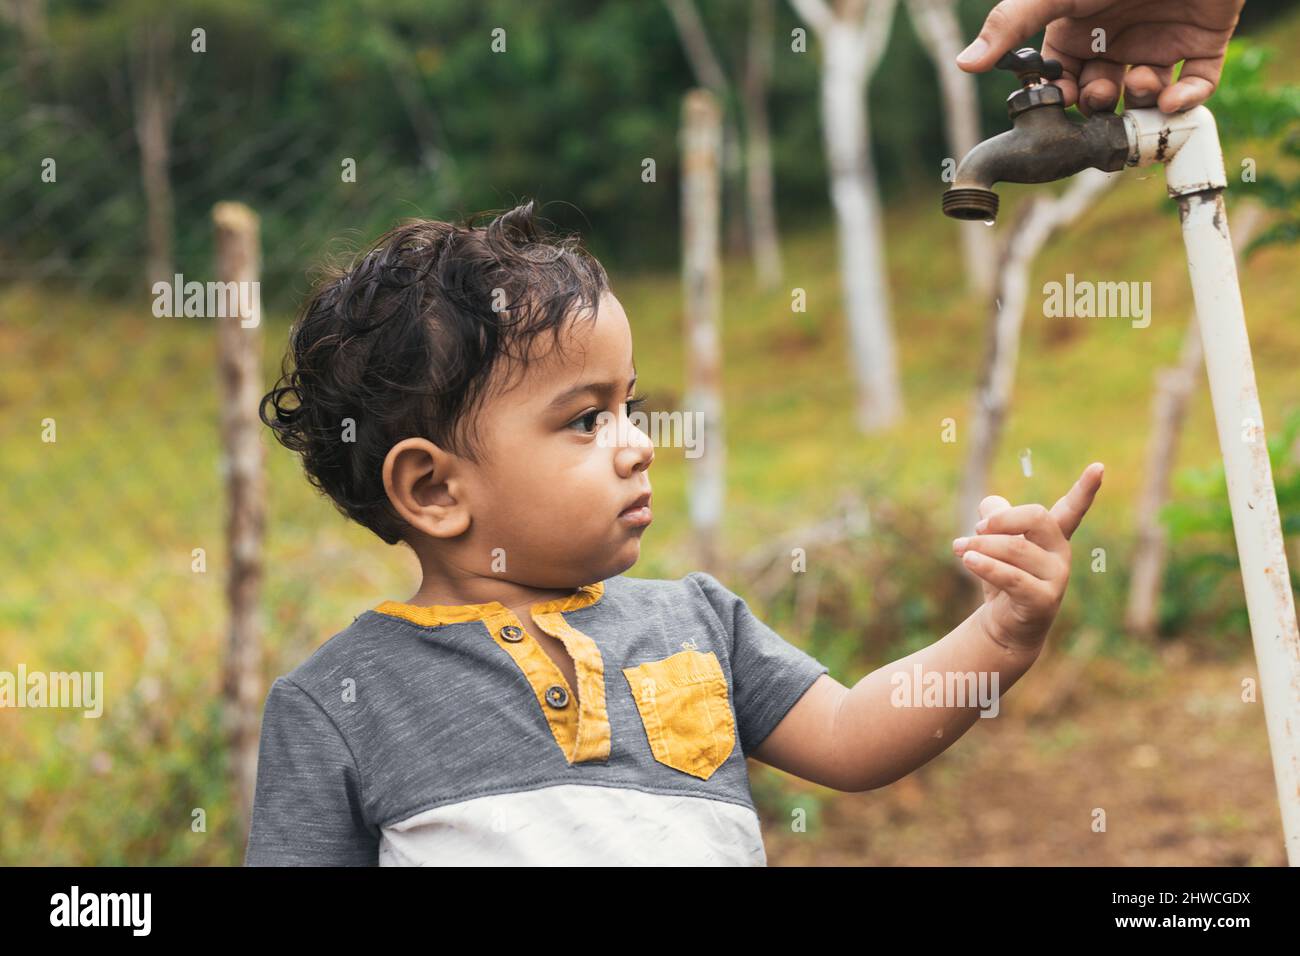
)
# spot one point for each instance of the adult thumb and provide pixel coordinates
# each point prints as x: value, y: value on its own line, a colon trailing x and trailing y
x: 1008, y: 24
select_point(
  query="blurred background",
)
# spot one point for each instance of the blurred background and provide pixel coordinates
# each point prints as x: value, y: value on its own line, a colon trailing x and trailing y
x: 124, y: 435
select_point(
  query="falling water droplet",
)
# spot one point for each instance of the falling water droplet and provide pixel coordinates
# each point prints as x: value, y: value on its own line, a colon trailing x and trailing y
x: 988, y: 222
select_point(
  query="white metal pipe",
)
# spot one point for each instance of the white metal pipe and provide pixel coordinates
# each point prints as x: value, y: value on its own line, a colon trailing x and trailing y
x: 1188, y: 144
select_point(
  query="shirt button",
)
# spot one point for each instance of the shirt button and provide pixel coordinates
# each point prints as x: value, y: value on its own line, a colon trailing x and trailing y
x: 557, y: 696
x: 512, y: 634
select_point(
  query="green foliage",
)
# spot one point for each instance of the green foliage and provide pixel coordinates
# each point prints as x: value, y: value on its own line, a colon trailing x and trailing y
x: 439, y: 123
x: 1203, y: 591
x: 1246, y: 107
x: 786, y: 802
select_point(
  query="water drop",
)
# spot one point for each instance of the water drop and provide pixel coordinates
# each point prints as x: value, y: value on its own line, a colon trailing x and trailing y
x: 1025, y: 465
x: 988, y: 222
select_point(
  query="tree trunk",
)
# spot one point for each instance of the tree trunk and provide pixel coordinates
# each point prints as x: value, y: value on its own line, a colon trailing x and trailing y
x: 853, y: 39
x: 153, y: 94
x: 940, y: 33
x: 733, y: 168
x: 759, y: 179
x: 239, y: 346
x: 709, y: 74
x: 701, y: 279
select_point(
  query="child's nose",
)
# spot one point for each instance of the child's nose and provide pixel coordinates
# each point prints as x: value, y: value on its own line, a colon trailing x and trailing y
x: 640, y: 445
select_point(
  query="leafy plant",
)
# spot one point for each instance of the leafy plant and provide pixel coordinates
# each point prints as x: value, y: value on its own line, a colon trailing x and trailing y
x: 1246, y: 107
x: 1202, y: 588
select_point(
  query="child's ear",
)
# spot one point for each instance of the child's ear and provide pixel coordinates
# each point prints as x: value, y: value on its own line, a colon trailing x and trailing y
x: 425, y: 486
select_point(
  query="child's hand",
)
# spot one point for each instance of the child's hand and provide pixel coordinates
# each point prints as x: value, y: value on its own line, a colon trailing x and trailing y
x: 1022, y: 556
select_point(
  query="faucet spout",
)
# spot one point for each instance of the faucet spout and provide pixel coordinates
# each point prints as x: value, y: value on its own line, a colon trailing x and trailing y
x: 1044, y: 145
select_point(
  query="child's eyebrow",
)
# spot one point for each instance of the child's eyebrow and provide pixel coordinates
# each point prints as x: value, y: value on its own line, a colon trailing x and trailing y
x: 600, y: 388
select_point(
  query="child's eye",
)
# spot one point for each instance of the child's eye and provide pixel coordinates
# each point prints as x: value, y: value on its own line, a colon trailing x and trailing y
x: 590, y: 415
x: 632, y: 405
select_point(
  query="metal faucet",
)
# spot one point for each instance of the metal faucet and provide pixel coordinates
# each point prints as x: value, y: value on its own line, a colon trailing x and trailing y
x: 1044, y: 144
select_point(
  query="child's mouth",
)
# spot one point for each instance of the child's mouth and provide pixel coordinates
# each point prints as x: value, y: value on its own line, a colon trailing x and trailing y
x: 638, y: 512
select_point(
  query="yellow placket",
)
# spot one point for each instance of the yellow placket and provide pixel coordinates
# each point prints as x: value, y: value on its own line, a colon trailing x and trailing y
x: 581, y: 730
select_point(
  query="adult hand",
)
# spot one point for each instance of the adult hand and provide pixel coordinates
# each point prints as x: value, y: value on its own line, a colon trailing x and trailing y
x: 1147, y: 36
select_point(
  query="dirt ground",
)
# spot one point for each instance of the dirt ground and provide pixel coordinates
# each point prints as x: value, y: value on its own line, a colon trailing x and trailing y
x: 1172, y: 755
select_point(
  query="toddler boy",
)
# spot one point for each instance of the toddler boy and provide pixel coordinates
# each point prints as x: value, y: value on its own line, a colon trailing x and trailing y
x: 530, y: 703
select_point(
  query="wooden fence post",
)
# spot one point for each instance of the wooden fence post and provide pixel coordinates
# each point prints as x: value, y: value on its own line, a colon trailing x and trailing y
x: 239, y: 347
x: 701, y: 278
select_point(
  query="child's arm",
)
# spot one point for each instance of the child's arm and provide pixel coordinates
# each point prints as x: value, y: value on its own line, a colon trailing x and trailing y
x: 859, y: 739
x: 308, y: 806
x: 891, y: 722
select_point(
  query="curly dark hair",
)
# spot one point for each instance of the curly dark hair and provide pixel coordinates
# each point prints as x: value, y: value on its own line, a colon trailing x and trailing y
x: 404, y: 342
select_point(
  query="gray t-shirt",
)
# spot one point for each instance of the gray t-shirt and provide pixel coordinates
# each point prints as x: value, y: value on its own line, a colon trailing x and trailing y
x: 447, y: 735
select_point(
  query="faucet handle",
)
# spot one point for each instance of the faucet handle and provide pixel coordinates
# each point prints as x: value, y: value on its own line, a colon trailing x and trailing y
x: 1029, y: 66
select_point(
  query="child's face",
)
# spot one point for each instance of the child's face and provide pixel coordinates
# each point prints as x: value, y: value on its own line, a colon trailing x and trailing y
x: 554, y: 477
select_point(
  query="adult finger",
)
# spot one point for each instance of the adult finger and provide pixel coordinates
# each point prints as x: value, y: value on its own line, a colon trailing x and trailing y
x: 1006, y: 26
x: 1014, y: 549
x: 1074, y: 504
x: 1033, y: 521
x: 1099, y: 86
x: 1198, y: 79
x: 1143, y: 83
x: 1071, y: 66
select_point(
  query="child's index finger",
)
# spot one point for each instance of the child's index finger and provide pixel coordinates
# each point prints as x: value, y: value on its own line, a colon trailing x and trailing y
x: 1071, y: 508
x: 1033, y: 521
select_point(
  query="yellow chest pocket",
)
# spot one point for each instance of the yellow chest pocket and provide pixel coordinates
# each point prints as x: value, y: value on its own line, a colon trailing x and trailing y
x: 686, y: 711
